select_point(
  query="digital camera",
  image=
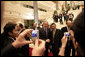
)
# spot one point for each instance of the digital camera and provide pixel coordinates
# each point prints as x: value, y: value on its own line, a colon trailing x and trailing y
x: 35, y: 35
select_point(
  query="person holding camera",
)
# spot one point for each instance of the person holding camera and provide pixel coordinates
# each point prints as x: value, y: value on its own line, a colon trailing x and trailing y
x: 69, y: 45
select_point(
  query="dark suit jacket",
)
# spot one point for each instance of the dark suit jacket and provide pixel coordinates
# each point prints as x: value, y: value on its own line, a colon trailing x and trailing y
x: 6, y: 46
x: 42, y: 34
x: 64, y: 29
x: 8, y: 50
x: 68, y: 47
x: 57, y: 38
x: 56, y: 41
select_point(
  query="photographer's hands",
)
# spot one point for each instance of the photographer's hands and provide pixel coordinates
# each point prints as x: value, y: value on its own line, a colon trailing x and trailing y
x: 21, y: 41
x: 39, y: 48
x: 64, y: 42
x: 48, y: 40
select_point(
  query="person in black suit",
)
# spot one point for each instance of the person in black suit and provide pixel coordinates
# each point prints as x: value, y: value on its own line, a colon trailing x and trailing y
x: 69, y: 44
x: 68, y: 27
x: 9, y: 36
x: 60, y: 17
x: 56, y: 36
x: 44, y: 34
x: 65, y: 15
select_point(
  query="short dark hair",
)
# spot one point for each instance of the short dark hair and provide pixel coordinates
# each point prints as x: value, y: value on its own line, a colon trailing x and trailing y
x: 26, y: 27
x: 53, y: 24
x: 20, y: 25
x: 9, y: 27
x: 78, y: 28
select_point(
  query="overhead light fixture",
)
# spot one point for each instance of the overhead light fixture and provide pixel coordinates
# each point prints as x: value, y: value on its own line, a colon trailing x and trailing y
x: 29, y: 6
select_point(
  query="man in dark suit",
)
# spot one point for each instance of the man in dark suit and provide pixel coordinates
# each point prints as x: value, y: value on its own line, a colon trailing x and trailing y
x: 56, y: 36
x: 68, y: 27
x: 69, y: 45
x: 65, y: 15
x: 44, y: 34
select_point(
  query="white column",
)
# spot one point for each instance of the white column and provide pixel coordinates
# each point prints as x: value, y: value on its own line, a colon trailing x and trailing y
x: 65, y: 4
x: 35, y: 12
x: 56, y: 5
x: 71, y: 3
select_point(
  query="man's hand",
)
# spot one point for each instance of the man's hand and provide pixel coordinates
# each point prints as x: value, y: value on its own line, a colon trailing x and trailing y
x: 48, y: 40
x: 72, y: 38
x: 39, y: 48
x: 64, y: 41
x: 21, y: 41
x: 72, y: 35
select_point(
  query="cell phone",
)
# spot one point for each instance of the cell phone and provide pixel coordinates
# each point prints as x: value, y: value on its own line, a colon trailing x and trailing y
x: 35, y: 35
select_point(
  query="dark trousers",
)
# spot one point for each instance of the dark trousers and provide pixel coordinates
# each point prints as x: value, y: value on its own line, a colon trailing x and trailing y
x: 55, y: 50
x: 68, y: 48
x: 46, y: 51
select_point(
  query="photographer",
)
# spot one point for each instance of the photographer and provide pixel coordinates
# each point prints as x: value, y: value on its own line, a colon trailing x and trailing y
x: 21, y: 41
x: 76, y: 35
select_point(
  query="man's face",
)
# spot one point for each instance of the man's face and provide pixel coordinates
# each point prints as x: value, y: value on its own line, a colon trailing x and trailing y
x: 53, y: 26
x: 15, y: 32
x: 45, y: 24
x: 69, y: 23
x: 18, y: 27
x: 35, y: 25
x: 39, y: 25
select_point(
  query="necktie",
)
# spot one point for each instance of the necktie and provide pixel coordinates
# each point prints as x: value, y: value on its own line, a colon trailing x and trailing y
x: 46, y: 32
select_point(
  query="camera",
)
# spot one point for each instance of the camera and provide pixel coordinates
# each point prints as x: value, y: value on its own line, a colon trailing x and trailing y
x: 67, y: 34
x: 35, y: 35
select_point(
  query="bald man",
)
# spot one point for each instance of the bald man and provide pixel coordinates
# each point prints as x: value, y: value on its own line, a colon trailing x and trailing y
x: 68, y: 27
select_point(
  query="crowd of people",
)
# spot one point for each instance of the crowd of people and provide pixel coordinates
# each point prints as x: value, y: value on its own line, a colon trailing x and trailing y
x: 15, y: 39
x: 65, y: 15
